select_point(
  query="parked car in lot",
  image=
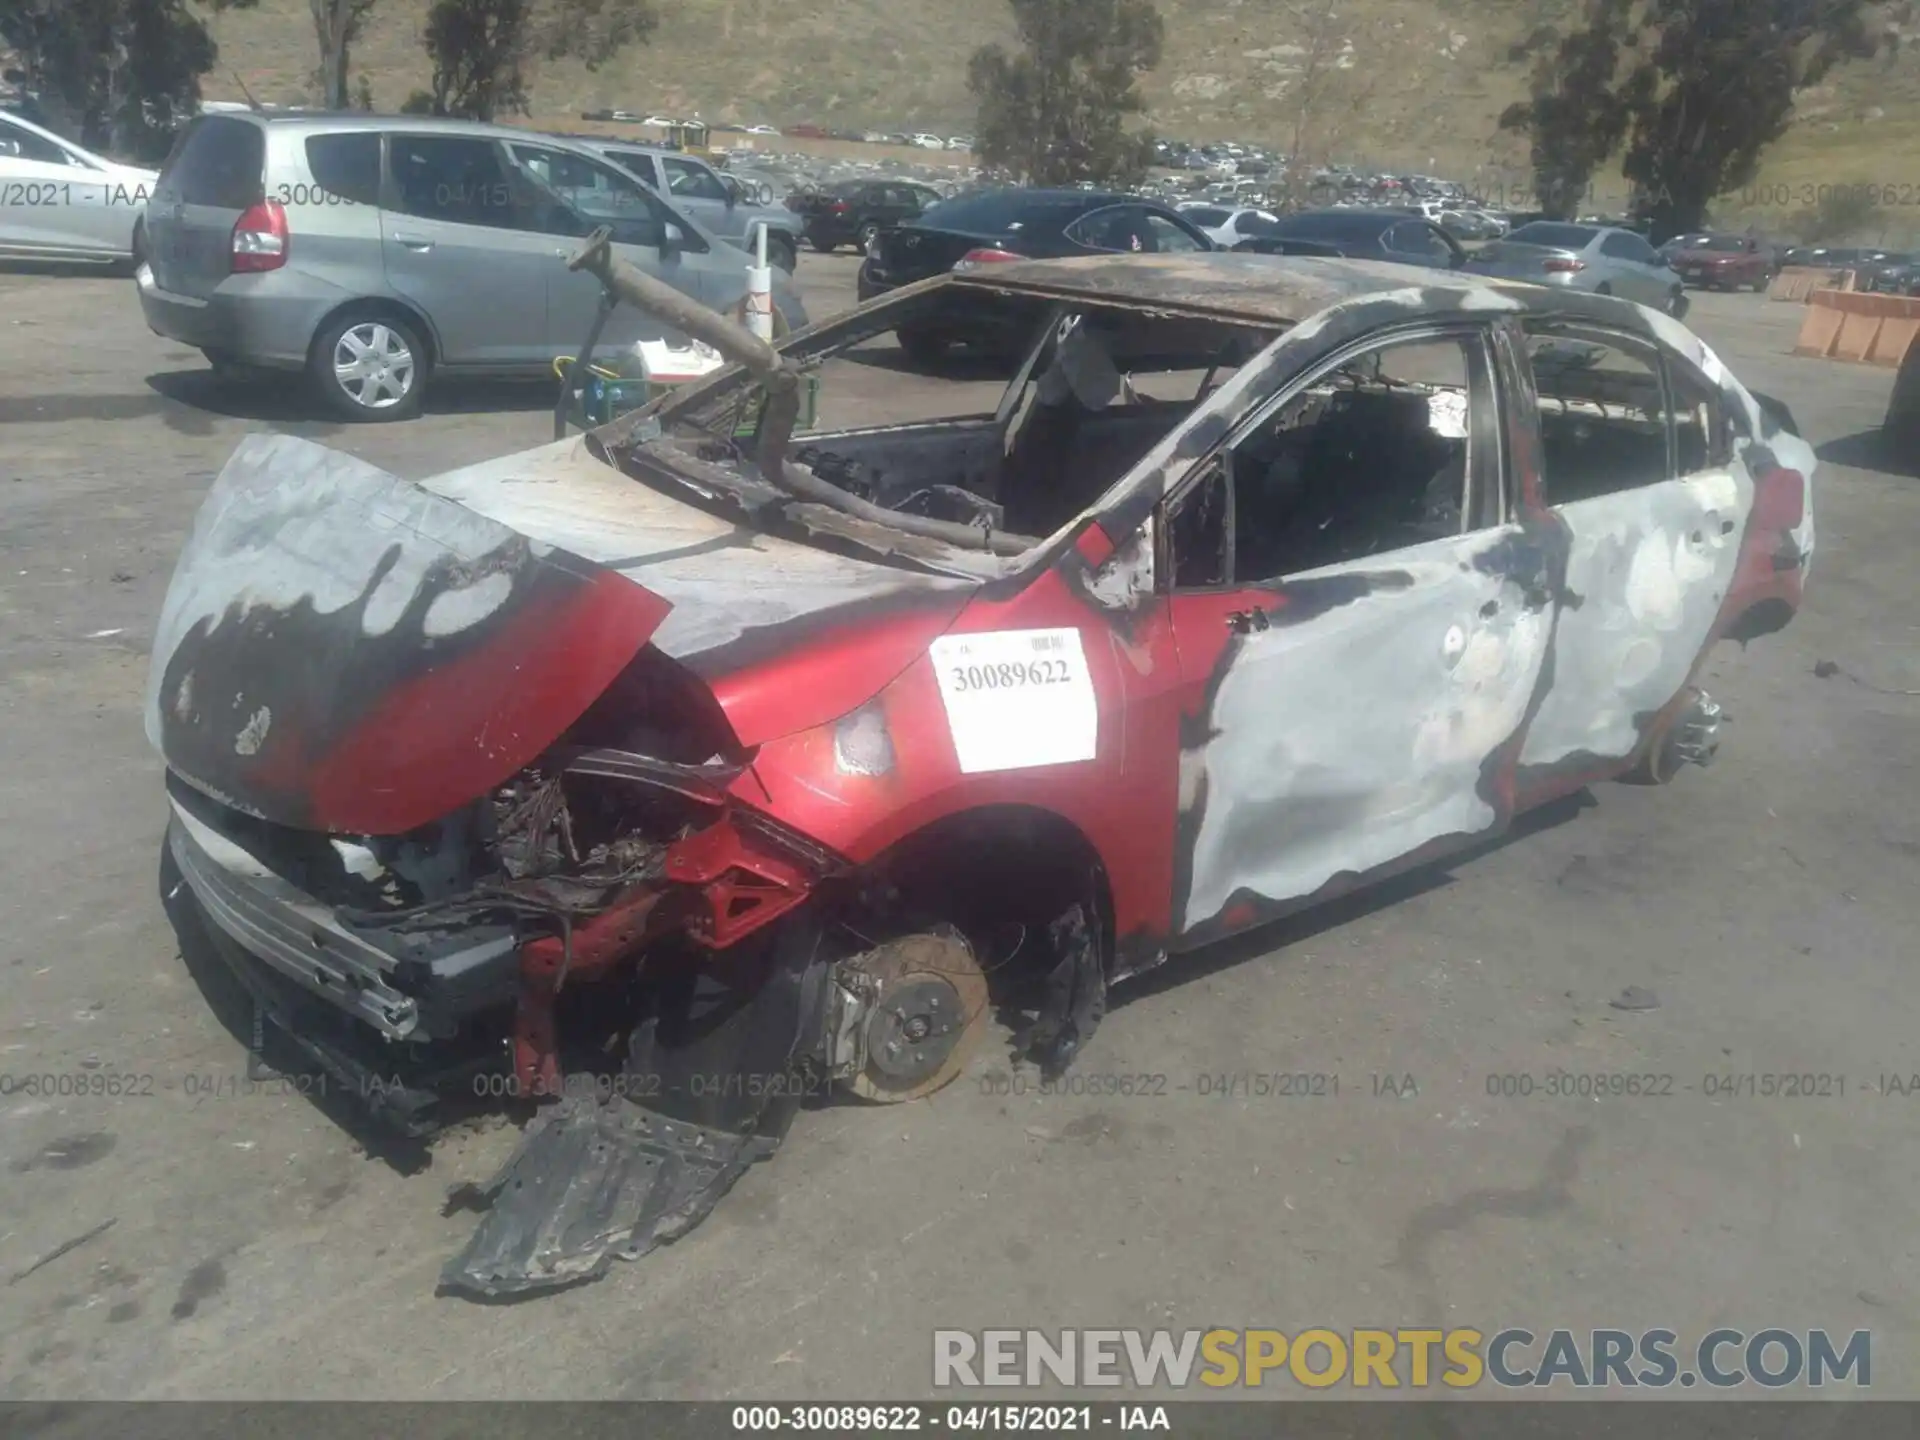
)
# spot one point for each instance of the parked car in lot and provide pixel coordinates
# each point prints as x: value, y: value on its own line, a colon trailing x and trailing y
x: 995, y: 227
x: 372, y: 252
x: 1468, y: 225
x: 1669, y: 248
x: 1400, y: 236
x: 852, y: 212
x: 1897, y: 273
x: 1599, y: 258
x: 1228, y: 225
x: 699, y: 802
x: 1724, y: 262
x: 1834, y: 257
x: 715, y: 199
x: 60, y: 202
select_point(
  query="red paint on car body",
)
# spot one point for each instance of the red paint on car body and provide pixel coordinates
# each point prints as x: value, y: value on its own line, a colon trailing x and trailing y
x: 459, y: 729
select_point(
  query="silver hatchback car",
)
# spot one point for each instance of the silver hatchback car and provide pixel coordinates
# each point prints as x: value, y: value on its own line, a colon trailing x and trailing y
x: 373, y: 252
x: 1600, y: 258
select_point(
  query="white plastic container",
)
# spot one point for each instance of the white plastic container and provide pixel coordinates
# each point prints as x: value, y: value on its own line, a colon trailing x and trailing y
x: 661, y: 362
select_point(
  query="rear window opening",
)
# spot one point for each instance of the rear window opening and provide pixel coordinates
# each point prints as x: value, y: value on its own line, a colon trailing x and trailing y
x: 1615, y: 416
x: 1000, y: 410
x: 346, y: 166
x: 220, y: 163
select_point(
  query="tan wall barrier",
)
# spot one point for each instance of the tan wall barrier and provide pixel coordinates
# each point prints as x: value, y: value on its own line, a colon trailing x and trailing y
x: 1797, y: 283
x: 1858, y: 326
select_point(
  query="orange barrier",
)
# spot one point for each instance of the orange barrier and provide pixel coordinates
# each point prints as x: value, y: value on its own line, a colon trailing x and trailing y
x: 1859, y: 326
x: 1797, y: 283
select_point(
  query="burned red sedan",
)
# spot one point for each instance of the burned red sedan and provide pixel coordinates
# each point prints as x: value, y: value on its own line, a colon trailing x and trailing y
x: 675, y: 773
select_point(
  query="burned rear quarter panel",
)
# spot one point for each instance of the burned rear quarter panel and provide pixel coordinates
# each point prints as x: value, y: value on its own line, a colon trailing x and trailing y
x: 1656, y: 576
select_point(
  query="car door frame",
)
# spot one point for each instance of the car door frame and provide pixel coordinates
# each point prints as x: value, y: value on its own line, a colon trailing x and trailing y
x: 1456, y: 254
x: 692, y: 205
x: 394, y: 221
x: 691, y: 266
x: 632, y: 159
x: 1636, y: 269
x: 1505, y: 553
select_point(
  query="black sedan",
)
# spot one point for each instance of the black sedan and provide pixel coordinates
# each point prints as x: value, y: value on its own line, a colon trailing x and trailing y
x: 1393, y: 235
x: 852, y: 212
x: 991, y: 227
x: 1892, y: 274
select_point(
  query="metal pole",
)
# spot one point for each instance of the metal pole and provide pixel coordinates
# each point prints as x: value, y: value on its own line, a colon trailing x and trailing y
x: 582, y: 362
x: 760, y: 289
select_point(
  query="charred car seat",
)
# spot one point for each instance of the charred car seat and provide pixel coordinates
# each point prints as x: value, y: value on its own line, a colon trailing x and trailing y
x: 1374, y: 477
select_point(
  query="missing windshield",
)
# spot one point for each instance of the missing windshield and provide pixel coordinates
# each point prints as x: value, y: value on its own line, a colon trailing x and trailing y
x: 1002, y: 412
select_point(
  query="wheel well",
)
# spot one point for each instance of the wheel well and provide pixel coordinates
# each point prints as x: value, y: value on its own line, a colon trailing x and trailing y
x: 1001, y: 865
x: 372, y: 308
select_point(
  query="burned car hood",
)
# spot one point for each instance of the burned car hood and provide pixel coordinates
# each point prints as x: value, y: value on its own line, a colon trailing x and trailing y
x: 347, y: 651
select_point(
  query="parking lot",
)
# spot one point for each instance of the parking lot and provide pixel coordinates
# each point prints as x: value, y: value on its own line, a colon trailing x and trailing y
x: 253, y: 1248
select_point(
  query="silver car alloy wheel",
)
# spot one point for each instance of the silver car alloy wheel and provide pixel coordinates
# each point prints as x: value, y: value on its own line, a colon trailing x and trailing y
x: 372, y: 365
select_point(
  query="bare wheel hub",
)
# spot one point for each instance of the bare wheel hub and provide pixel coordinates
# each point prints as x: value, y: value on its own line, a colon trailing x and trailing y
x: 1696, y: 739
x: 923, y: 1022
x: 1692, y: 737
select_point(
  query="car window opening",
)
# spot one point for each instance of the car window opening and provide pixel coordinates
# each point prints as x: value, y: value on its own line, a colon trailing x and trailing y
x: 1376, y: 455
x: 1606, y: 413
x: 1003, y: 412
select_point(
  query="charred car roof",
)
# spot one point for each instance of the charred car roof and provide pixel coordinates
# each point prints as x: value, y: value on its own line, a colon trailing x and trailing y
x: 1275, y: 289
x: 1315, y: 305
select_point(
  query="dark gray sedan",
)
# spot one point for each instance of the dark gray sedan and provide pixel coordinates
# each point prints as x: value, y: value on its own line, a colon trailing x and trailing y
x: 1598, y: 258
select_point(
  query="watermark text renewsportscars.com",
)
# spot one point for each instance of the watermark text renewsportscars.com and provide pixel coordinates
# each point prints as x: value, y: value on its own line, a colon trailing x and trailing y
x: 1770, y: 1358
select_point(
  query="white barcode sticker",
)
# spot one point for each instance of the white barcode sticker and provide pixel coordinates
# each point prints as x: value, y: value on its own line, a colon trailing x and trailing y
x: 1017, y: 698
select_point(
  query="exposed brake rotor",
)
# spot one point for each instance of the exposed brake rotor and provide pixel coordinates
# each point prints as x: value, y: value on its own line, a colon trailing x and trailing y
x: 930, y: 1012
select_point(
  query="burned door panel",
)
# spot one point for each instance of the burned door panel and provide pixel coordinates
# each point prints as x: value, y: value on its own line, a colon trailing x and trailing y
x: 1646, y: 575
x: 1651, y: 557
x: 1359, y: 720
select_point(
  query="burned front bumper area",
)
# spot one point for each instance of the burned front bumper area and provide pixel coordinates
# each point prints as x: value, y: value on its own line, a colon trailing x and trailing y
x: 667, y: 1028
x: 404, y: 1025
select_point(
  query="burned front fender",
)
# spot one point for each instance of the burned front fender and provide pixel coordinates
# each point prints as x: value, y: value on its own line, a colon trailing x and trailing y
x: 1089, y: 736
x: 342, y: 650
